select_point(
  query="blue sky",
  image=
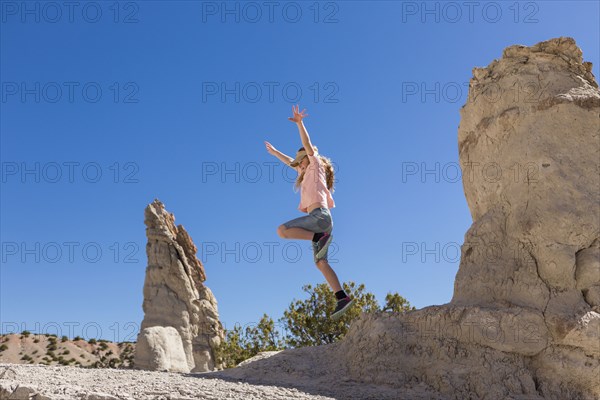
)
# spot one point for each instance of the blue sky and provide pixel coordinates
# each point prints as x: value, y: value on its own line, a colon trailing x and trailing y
x: 111, y: 105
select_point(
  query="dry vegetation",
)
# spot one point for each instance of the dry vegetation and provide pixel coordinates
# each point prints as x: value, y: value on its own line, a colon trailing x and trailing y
x: 48, y: 349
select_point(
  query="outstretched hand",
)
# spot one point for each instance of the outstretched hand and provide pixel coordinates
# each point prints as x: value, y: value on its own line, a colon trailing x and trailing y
x: 298, y: 116
x: 270, y: 148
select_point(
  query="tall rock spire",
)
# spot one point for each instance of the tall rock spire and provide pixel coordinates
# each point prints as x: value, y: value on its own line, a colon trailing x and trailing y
x: 181, y: 326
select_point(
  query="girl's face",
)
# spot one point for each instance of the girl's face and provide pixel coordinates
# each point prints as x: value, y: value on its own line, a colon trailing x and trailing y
x: 304, y: 163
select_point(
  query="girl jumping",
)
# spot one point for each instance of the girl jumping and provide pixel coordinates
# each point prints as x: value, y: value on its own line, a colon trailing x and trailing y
x: 315, y: 179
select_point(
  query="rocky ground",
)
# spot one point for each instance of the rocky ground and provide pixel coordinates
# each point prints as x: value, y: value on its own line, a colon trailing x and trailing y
x: 41, y: 382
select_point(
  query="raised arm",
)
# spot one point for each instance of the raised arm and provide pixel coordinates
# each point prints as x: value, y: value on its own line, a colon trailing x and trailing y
x: 297, y: 118
x: 282, y: 157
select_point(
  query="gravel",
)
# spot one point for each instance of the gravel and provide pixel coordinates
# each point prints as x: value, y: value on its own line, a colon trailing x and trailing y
x: 41, y: 382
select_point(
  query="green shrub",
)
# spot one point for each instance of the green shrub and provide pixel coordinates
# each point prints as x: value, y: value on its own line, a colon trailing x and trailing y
x: 64, y: 339
x: 36, y: 340
x: 77, y: 338
x: 114, y: 362
x: 92, y: 341
x: 3, y: 347
x: 307, y: 323
x: 25, y: 333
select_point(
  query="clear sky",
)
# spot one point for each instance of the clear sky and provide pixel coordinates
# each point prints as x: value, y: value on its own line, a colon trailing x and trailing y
x: 108, y: 105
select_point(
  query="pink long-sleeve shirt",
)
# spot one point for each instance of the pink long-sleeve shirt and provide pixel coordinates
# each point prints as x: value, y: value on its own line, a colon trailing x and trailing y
x: 314, y: 185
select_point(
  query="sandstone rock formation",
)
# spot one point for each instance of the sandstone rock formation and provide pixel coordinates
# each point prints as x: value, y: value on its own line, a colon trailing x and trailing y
x: 524, y: 320
x: 181, y: 326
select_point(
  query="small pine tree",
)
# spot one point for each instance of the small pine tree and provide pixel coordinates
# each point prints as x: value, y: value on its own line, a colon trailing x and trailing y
x: 309, y: 321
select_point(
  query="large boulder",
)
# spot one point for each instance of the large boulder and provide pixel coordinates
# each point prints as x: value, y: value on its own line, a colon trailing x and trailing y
x: 160, y: 348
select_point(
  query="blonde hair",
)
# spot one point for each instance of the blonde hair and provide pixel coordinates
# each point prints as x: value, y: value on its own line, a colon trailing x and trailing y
x: 329, y: 174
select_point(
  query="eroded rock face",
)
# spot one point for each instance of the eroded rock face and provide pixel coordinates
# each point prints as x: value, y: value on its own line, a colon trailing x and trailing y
x: 175, y: 298
x: 524, y: 319
x: 163, y: 350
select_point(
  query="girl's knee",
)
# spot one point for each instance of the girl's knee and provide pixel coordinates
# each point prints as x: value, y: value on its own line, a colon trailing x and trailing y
x: 321, y: 263
x: 281, y: 231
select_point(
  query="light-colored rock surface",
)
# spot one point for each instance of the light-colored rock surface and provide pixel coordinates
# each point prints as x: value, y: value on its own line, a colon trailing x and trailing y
x: 175, y: 296
x: 523, y: 322
x: 165, y: 348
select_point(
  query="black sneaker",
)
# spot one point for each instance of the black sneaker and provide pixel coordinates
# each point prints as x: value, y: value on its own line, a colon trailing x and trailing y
x: 342, y: 306
x: 323, y: 244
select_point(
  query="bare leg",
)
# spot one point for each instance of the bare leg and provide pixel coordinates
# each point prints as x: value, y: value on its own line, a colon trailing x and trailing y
x: 323, y: 265
x: 294, y: 233
x: 330, y: 275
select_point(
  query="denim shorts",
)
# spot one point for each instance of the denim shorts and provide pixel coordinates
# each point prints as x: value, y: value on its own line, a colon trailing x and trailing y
x: 318, y: 220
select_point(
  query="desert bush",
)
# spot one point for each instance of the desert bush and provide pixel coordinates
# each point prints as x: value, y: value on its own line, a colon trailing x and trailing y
x: 240, y: 345
x: 113, y: 362
x: 306, y: 323
x: 309, y: 321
